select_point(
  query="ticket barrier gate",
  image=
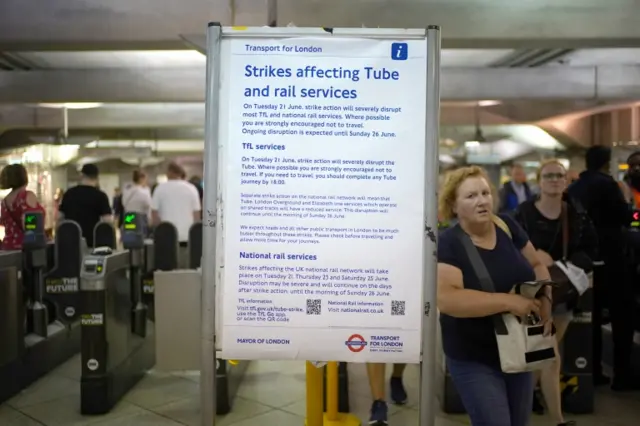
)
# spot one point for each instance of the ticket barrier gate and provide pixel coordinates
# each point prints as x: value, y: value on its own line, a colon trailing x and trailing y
x: 607, y: 332
x: 164, y: 258
x: 576, y: 381
x: 118, y: 345
x: 104, y: 235
x: 62, y: 283
x: 229, y: 374
x: 178, y: 325
x: 39, y: 335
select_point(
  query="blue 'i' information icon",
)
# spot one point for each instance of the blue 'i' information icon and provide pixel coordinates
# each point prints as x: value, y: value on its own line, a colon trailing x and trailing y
x: 399, y: 51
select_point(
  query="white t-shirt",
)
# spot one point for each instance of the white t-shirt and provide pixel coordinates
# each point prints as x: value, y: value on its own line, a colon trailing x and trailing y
x: 137, y: 199
x: 176, y: 201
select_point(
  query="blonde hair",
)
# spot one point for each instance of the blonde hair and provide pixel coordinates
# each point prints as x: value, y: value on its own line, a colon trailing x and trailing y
x: 452, y: 181
x: 548, y: 162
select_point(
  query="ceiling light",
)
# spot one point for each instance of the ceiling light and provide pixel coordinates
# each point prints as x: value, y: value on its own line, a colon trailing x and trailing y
x: 447, y: 159
x: 488, y: 103
x: 73, y: 105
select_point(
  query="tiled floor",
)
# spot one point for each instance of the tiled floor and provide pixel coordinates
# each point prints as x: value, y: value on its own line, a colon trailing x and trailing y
x: 272, y: 394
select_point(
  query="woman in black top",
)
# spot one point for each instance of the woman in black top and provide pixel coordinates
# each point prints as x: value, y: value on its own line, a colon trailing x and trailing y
x: 541, y: 219
x: 490, y: 396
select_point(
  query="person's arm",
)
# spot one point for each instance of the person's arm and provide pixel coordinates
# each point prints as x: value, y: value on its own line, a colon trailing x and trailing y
x: 32, y: 203
x: 522, y: 243
x: 542, y: 274
x: 105, y: 208
x: 145, y: 197
x: 155, y: 218
x: 32, y: 200
x: 61, y: 208
x: 195, y: 205
x: 155, y: 207
x: 541, y: 271
x: 456, y: 301
x: 520, y: 217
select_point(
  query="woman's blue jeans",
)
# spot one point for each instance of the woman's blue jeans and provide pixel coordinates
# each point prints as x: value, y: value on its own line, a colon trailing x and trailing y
x: 491, y: 397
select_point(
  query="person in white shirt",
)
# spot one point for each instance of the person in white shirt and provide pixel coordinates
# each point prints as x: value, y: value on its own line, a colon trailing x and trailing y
x: 176, y: 201
x: 137, y: 197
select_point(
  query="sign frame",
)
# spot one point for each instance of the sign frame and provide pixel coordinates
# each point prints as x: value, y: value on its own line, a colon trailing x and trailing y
x: 213, y: 247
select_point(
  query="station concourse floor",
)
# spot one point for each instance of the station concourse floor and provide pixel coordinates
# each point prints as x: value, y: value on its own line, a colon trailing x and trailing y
x: 272, y: 394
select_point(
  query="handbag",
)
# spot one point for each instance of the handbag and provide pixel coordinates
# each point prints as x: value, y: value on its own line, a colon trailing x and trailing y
x: 522, y: 345
x: 570, y: 280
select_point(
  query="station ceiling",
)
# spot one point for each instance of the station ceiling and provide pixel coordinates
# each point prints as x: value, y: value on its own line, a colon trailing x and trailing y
x: 536, y: 60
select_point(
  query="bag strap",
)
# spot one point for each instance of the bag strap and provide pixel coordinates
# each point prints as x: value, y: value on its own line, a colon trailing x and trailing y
x: 497, y: 220
x: 486, y: 283
x: 564, y: 218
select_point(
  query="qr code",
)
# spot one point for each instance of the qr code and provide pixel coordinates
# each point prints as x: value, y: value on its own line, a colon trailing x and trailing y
x: 314, y: 306
x: 397, y: 307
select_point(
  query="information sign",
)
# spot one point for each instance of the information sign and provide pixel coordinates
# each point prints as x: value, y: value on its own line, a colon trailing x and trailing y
x: 324, y: 183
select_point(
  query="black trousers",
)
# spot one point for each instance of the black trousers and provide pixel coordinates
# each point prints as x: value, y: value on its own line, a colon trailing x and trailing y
x: 613, y: 289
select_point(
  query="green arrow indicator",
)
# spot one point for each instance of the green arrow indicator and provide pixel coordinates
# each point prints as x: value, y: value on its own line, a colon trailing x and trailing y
x: 30, y: 218
x: 129, y: 218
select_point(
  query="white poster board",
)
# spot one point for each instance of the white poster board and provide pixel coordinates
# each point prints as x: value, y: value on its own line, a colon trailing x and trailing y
x: 322, y: 182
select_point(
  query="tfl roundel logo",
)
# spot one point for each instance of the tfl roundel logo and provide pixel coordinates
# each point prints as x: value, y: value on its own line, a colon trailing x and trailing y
x: 355, y: 343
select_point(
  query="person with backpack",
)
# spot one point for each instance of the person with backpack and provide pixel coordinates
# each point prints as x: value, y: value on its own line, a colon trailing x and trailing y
x: 560, y: 230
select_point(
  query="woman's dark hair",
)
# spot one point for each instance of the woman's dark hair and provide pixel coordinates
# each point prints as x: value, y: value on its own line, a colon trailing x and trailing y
x: 138, y: 175
x: 13, y: 176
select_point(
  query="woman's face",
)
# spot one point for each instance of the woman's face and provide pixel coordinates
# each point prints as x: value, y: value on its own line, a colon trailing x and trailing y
x: 553, y: 179
x: 474, y: 201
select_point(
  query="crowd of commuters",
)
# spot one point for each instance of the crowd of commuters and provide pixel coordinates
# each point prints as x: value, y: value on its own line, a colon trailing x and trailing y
x: 582, y: 219
x: 176, y: 201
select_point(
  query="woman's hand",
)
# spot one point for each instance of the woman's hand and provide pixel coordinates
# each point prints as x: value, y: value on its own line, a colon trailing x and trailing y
x: 545, y: 258
x: 522, y: 306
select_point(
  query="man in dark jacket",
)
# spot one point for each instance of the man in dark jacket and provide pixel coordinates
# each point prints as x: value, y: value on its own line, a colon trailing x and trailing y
x: 514, y: 192
x: 602, y: 197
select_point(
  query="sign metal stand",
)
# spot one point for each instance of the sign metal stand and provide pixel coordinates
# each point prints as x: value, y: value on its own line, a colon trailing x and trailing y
x: 213, y: 209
